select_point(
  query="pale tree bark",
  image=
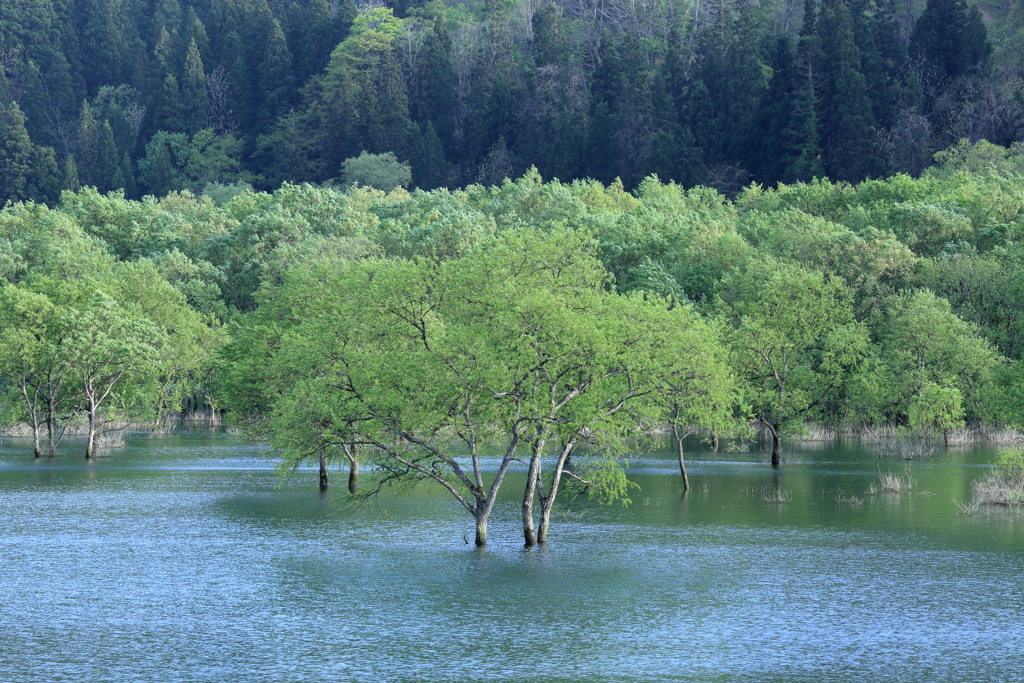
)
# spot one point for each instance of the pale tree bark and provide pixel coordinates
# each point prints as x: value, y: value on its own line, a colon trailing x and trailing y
x: 32, y: 402
x: 530, y: 492
x: 679, y: 436
x: 548, y: 501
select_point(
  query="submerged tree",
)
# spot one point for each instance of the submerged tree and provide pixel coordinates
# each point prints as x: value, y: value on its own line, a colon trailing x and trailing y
x: 795, y: 342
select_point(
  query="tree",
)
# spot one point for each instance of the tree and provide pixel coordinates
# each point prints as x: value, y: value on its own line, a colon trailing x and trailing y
x: 193, y: 91
x: 794, y: 343
x: 696, y: 389
x: 31, y: 356
x: 381, y: 171
x: 350, y: 341
x: 27, y: 171
x: 952, y: 38
x: 932, y: 368
x: 109, y: 352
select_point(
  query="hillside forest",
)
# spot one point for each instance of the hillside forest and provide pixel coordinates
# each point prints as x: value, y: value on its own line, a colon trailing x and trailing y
x: 157, y: 96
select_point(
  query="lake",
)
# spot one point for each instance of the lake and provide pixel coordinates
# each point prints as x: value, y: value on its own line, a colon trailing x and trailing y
x: 184, y: 558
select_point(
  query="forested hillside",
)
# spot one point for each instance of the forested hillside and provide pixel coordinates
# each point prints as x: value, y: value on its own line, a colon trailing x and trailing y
x: 152, y: 96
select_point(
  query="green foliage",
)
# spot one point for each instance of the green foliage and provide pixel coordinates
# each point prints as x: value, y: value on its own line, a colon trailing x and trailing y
x: 380, y: 171
x: 1011, y: 460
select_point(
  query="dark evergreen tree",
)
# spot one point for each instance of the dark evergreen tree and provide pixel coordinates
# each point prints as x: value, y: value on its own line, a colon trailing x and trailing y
x: 168, y: 110
x: 193, y: 91
x: 16, y: 155
x: 806, y: 125
x: 429, y: 168
x: 950, y: 37
x: 849, y: 140
x: 276, y: 87
x: 432, y: 83
x: 775, y: 136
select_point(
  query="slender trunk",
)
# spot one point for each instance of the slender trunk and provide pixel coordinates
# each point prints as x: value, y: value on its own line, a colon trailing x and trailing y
x: 481, y: 527
x: 682, y: 461
x: 714, y: 443
x: 945, y: 438
x: 548, y: 502
x: 353, y: 476
x: 89, y: 445
x: 529, y: 534
x: 776, y: 448
x: 50, y: 431
x: 33, y: 414
x: 323, y: 472
x: 35, y: 437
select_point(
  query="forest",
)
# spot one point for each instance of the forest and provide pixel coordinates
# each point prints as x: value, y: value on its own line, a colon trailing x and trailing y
x: 432, y: 238
x: 553, y: 324
x: 157, y: 96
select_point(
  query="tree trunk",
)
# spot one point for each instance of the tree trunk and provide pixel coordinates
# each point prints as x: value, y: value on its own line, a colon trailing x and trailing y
x: 682, y: 461
x: 324, y: 477
x: 353, y: 478
x: 33, y: 415
x: 776, y: 448
x: 548, y: 502
x: 90, y: 444
x: 481, y: 527
x: 714, y: 443
x: 35, y: 437
x: 50, y: 429
x: 529, y: 534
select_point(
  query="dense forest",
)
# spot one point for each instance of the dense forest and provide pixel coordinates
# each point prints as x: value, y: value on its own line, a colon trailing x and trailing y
x: 154, y: 96
x: 544, y: 322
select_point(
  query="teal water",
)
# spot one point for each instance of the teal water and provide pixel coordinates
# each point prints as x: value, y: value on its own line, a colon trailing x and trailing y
x: 181, y: 558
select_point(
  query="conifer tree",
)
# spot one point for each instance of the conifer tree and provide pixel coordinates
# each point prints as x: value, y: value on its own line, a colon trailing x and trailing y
x: 71, y: 181
x: 849, y: 138
x: 775, y: 141
x: 193, y: 91
x: 806, y: 125
x: 168, y: 110
x: 276, y: 88
x: 432, y: 85
x: 16, y: 155
x: 951, y: 38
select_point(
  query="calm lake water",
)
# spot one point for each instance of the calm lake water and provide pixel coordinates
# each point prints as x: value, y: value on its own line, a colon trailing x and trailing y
x: 182, y: 558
